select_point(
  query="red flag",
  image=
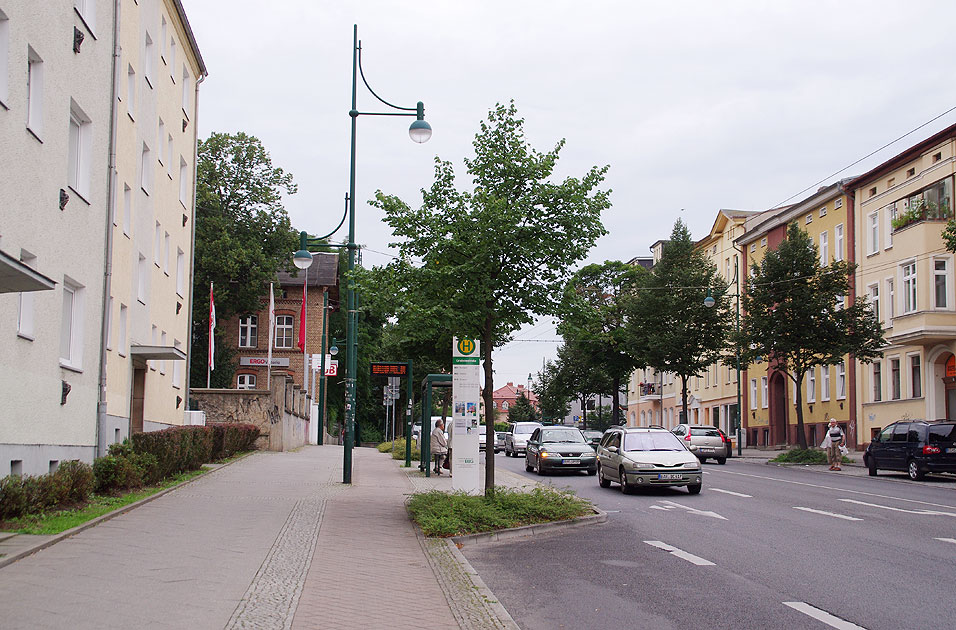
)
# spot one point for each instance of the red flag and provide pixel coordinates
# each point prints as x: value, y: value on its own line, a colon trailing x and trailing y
x: 212, y: 330
x: 302, y: 320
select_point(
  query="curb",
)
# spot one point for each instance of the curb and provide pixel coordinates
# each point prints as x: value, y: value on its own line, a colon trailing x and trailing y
x: 599, y: 516
x: 504, y: 617
x: 109, y: 515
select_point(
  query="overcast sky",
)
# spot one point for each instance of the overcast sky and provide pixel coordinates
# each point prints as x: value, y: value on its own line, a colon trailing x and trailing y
x: 696, y: 106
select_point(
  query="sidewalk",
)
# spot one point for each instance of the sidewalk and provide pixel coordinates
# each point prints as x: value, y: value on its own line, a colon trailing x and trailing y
x: 274, y: 540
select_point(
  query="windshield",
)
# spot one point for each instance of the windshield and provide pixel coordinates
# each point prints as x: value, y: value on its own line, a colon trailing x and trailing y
x: 652, y: 441
x: 705, y: 432
x: 942, y: 433
x: 574, y: 436
x: 524, y: 429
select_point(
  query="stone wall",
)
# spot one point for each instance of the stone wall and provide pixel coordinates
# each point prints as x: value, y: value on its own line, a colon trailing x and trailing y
x: 280, y: 413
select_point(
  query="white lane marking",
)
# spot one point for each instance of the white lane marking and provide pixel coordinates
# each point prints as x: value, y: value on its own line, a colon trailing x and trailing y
x: 833, y: 514
x: 844, y: 490
x: 694, y: 511
x: 821, y: 615
x: 896, y: 509
x: 706, y: 472
x: 736, y: 494
x: 683, y: 555
x: 949, y: 540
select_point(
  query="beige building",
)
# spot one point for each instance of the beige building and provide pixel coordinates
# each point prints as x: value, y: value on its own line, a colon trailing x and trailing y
x: 158, y: 72
x: 901, y: 209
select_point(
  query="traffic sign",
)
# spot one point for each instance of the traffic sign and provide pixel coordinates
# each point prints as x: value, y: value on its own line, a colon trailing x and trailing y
x: 380, y: 368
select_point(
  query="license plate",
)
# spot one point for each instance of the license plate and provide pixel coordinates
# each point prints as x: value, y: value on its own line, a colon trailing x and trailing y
x: 951, y: 450
x: 572, y: 461
x: 670, y: 476
x: 706, y: 450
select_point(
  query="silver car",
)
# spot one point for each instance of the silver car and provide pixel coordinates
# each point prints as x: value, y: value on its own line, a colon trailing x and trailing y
x: 640, y: 458
x: 704, y: 441
x: 516, y: 439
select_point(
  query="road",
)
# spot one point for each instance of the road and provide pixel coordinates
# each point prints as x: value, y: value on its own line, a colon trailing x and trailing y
x: 761, y: 547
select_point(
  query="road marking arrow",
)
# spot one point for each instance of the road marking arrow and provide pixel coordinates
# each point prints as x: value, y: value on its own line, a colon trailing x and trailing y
x: 683, y: 555
x: 821, y: 615
x: 694, y: 511
x: 834, y: 515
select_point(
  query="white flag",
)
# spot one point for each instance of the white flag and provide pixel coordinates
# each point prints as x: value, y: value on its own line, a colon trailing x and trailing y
x: 272, y: 327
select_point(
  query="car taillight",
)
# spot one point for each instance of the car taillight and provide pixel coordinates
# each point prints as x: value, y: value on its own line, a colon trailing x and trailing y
x: 723, y: 438
x: 930, y: 450
x: 687, y: 438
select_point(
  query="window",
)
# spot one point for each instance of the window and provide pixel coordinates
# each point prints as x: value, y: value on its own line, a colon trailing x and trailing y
x: 80, y: 143
x: 809, y: 218
x: 283, y: 331
x: 838, y: 203
x: 127, y: 209
x: 838, y: 242
x: 504, y: 405
x: 87, y: 11
x: 183, y: 182
x: 895, y: 379
x: 823, y: 212
x: 875, y: 300
x: 916, y: 379
x: 248, y: 331
x: 154, y: 341
x: 141, y: 271
x: 753, y: 247
x: 169, y: 152
x: 872, y: 191
x: 4, y: 56
x: 763, y: 242
x: 764, y: 401
x: 149, y: 62
x: 910, y: 172
x: 825, y: 385
x: 156, y: 244
x: 25, y: 321
x: 172, y: 59
x: 939, y: 283
x: 131, y: 92
x: 841, y: 380
x: 185, y: 91
x: 146, y: 182
x: 114, y: 186
x: 34, y: 92
x: 162, y: 38
x: 71, y: 325
x: 909, y: 287
x: 177, y: 367
x: 180, y: 272
x: 162, y: 342
x: 166, y: 253
x: 937, y: 157
x: 246, y: 381
x: 121, y: 342
x: 889, y: 214
x: 877, y: 381
x: 162, y: 145
x: 109, y: 324
x: 824, y: 249
x: 873, y: 242
x: 890, y: 301
x: 753, y: 393
x: 812, y: 385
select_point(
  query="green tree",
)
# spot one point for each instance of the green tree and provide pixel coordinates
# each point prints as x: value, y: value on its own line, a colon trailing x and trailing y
x: 949, y: 236
x: 243, y: 238
x: 553, y: 399
x: 595, y: 309
x: 523, y: 411
x: 485, y: 262
x: 579, y: 372
x: 795, y: 316
x: 670, y: 328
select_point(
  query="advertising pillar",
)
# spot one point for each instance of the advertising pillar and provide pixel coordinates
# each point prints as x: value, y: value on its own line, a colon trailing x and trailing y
x: 466, y: 392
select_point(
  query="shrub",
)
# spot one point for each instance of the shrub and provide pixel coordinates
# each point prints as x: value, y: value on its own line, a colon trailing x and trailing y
x: 370, y: 433
x: 398, y: 452
x: 17, y: 495
x: 502, y: 426
x: 804, y: 456
x: 72, y: 482
x: 79, y: 478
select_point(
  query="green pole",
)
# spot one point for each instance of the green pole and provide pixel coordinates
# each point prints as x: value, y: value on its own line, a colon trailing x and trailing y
x: 351, y: 336
x: 410, y: 393
x: 325, y: 318
x: 425, y: 442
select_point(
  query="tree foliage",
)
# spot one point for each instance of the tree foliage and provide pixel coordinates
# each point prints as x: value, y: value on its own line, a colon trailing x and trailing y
x: 795, y: 316
x: 243, y: 238
x: 485, y: 262
x: 949, y: 236
x: 523, y: 411
x: 671, y: 329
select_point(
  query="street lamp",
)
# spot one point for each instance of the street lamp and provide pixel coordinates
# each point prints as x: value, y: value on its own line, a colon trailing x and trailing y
x: 709, y: 302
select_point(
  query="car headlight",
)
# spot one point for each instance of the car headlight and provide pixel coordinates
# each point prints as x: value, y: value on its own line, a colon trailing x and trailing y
x: 641, y: 465
x: 692, y: 465
x: 544, y: 454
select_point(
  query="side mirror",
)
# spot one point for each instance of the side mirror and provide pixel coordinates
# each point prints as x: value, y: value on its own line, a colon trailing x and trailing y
x: 612, y: 449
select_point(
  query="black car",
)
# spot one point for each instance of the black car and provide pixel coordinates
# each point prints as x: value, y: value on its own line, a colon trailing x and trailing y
x: 559, y: 448
x: 593, y: 437
x: 915, y: 446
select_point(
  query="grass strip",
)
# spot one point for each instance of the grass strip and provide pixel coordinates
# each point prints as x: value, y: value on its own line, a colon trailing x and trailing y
x: 805, y: 456
x: 446, y: 514
x: 98, y: 505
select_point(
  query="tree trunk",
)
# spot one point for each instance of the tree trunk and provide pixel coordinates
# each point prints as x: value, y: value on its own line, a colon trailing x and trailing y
x: 683, y: 398
x: 801, y: 434
x: 584, y: 412
x: 491, y: 414
x: 615, y: 408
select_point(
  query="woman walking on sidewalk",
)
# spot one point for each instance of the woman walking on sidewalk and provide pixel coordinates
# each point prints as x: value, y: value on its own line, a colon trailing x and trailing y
x: 439, y: 445
x: 833, y: 442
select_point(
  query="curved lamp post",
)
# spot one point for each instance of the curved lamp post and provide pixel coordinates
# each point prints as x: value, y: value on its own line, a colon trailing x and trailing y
x: 709, y: 302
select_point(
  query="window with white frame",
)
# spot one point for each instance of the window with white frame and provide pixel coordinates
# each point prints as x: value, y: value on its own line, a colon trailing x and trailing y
x: 908, y: 272
x: 25, y: 314
x: 163, y: 32
x: 185, y: 91
x: 824, y: 249
x: 172, y: 58
x: 127, y: 209
x: 122, y: 344
x: 838, y: 203
x: 838, y: 242
x: 4, y: 57
x: 246, y: 381
x: 753, y: 392
x: 895, y: 379
x: 141, y: 274
x: 131, y: 91
x: 160, y: 141
x: 812, y: 384
x: 149, y: 60
x: 874, y: 290
x: 873, y: 235
x: 890, y: 301
x: 180, y: 272
x: 87, y: 11
x: 916, y: 377
x: 809, y: 219
x: 764, y: 393
x: 889, y: 214
x: 157, y: 252
x: 177, y: 367
x: 71, y: 325
x: 823, y: 212
x: 162, y: 342
x: 248, y: 331
x: 825, y: 383
x: 80, y: 148
x: 183, y: 182
x: 763, y: 242
x: 109, y: 324
x: 155, y: 341
x: 841, y: 380
x: 753, y: 247
x: 166, y: 253
x: 877, y: 374
x: 283, y: 331
x: 940, y: 284
x: 169, y: 152
x: 146, y: 163
x: 34, y: 92
x: 114, y: 201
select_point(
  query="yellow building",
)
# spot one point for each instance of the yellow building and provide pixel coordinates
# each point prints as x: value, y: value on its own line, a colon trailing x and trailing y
x: 901, y: 209
x: 770, y: 417
x: 158, y: 69
x: 713, y: 395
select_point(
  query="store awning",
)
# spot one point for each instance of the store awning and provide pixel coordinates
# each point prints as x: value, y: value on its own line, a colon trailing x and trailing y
x: 15, y: 277
x: 157, y: 353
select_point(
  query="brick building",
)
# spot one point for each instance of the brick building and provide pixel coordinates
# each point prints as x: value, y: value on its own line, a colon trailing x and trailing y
x: 504, y: 397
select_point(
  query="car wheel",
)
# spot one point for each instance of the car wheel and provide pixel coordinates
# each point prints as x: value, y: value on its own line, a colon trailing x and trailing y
x: 602, y: 480
x: 870, y: 465
x: 592, y: 471
x: 702, y: 459
x: 626, y: 488
x: 721, y: 460
x: 538, y: 469
x: 507, y: 452
x: 915, y: 472
x: 527, y: 465
x: 694, y: 488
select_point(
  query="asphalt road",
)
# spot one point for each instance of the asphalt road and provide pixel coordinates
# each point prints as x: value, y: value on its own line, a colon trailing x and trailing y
x: 761, y: 547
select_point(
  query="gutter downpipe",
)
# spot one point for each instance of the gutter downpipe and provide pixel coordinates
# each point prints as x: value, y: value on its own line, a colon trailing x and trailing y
x: 192, y: 242
x: 110, y: 210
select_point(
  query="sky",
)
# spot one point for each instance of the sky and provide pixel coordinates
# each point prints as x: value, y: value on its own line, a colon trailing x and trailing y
x: 695, y: 105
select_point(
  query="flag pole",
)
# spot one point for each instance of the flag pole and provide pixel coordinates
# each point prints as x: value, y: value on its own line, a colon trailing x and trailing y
x: 211, y: 349
x: 272, y: 325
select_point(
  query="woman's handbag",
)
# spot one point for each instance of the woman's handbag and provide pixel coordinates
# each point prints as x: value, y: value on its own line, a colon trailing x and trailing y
x: 446, y: 464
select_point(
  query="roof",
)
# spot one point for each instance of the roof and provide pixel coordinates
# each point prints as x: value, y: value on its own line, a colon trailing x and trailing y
x: 909, y: 154
x: 783, y: 215
x: 189, y: 34
x: 642, y: 261
x: 322, y: 273
x: 511, y: 391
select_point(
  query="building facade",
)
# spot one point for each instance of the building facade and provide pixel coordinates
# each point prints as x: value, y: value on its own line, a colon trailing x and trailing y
x: 505, y: 397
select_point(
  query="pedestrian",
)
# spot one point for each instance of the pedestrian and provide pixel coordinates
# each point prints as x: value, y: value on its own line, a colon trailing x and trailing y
x: 439, y: 445
x: 833, y: 442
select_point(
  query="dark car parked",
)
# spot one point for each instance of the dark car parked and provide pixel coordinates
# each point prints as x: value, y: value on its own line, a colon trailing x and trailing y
x: 559, y: 448
x: 914, y: 446
x: 593, y: 437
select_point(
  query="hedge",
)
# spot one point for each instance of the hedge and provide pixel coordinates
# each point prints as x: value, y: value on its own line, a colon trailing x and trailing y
x: 145, y: 459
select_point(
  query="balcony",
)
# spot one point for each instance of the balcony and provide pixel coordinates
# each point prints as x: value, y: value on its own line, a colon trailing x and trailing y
x: 920, y: 212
